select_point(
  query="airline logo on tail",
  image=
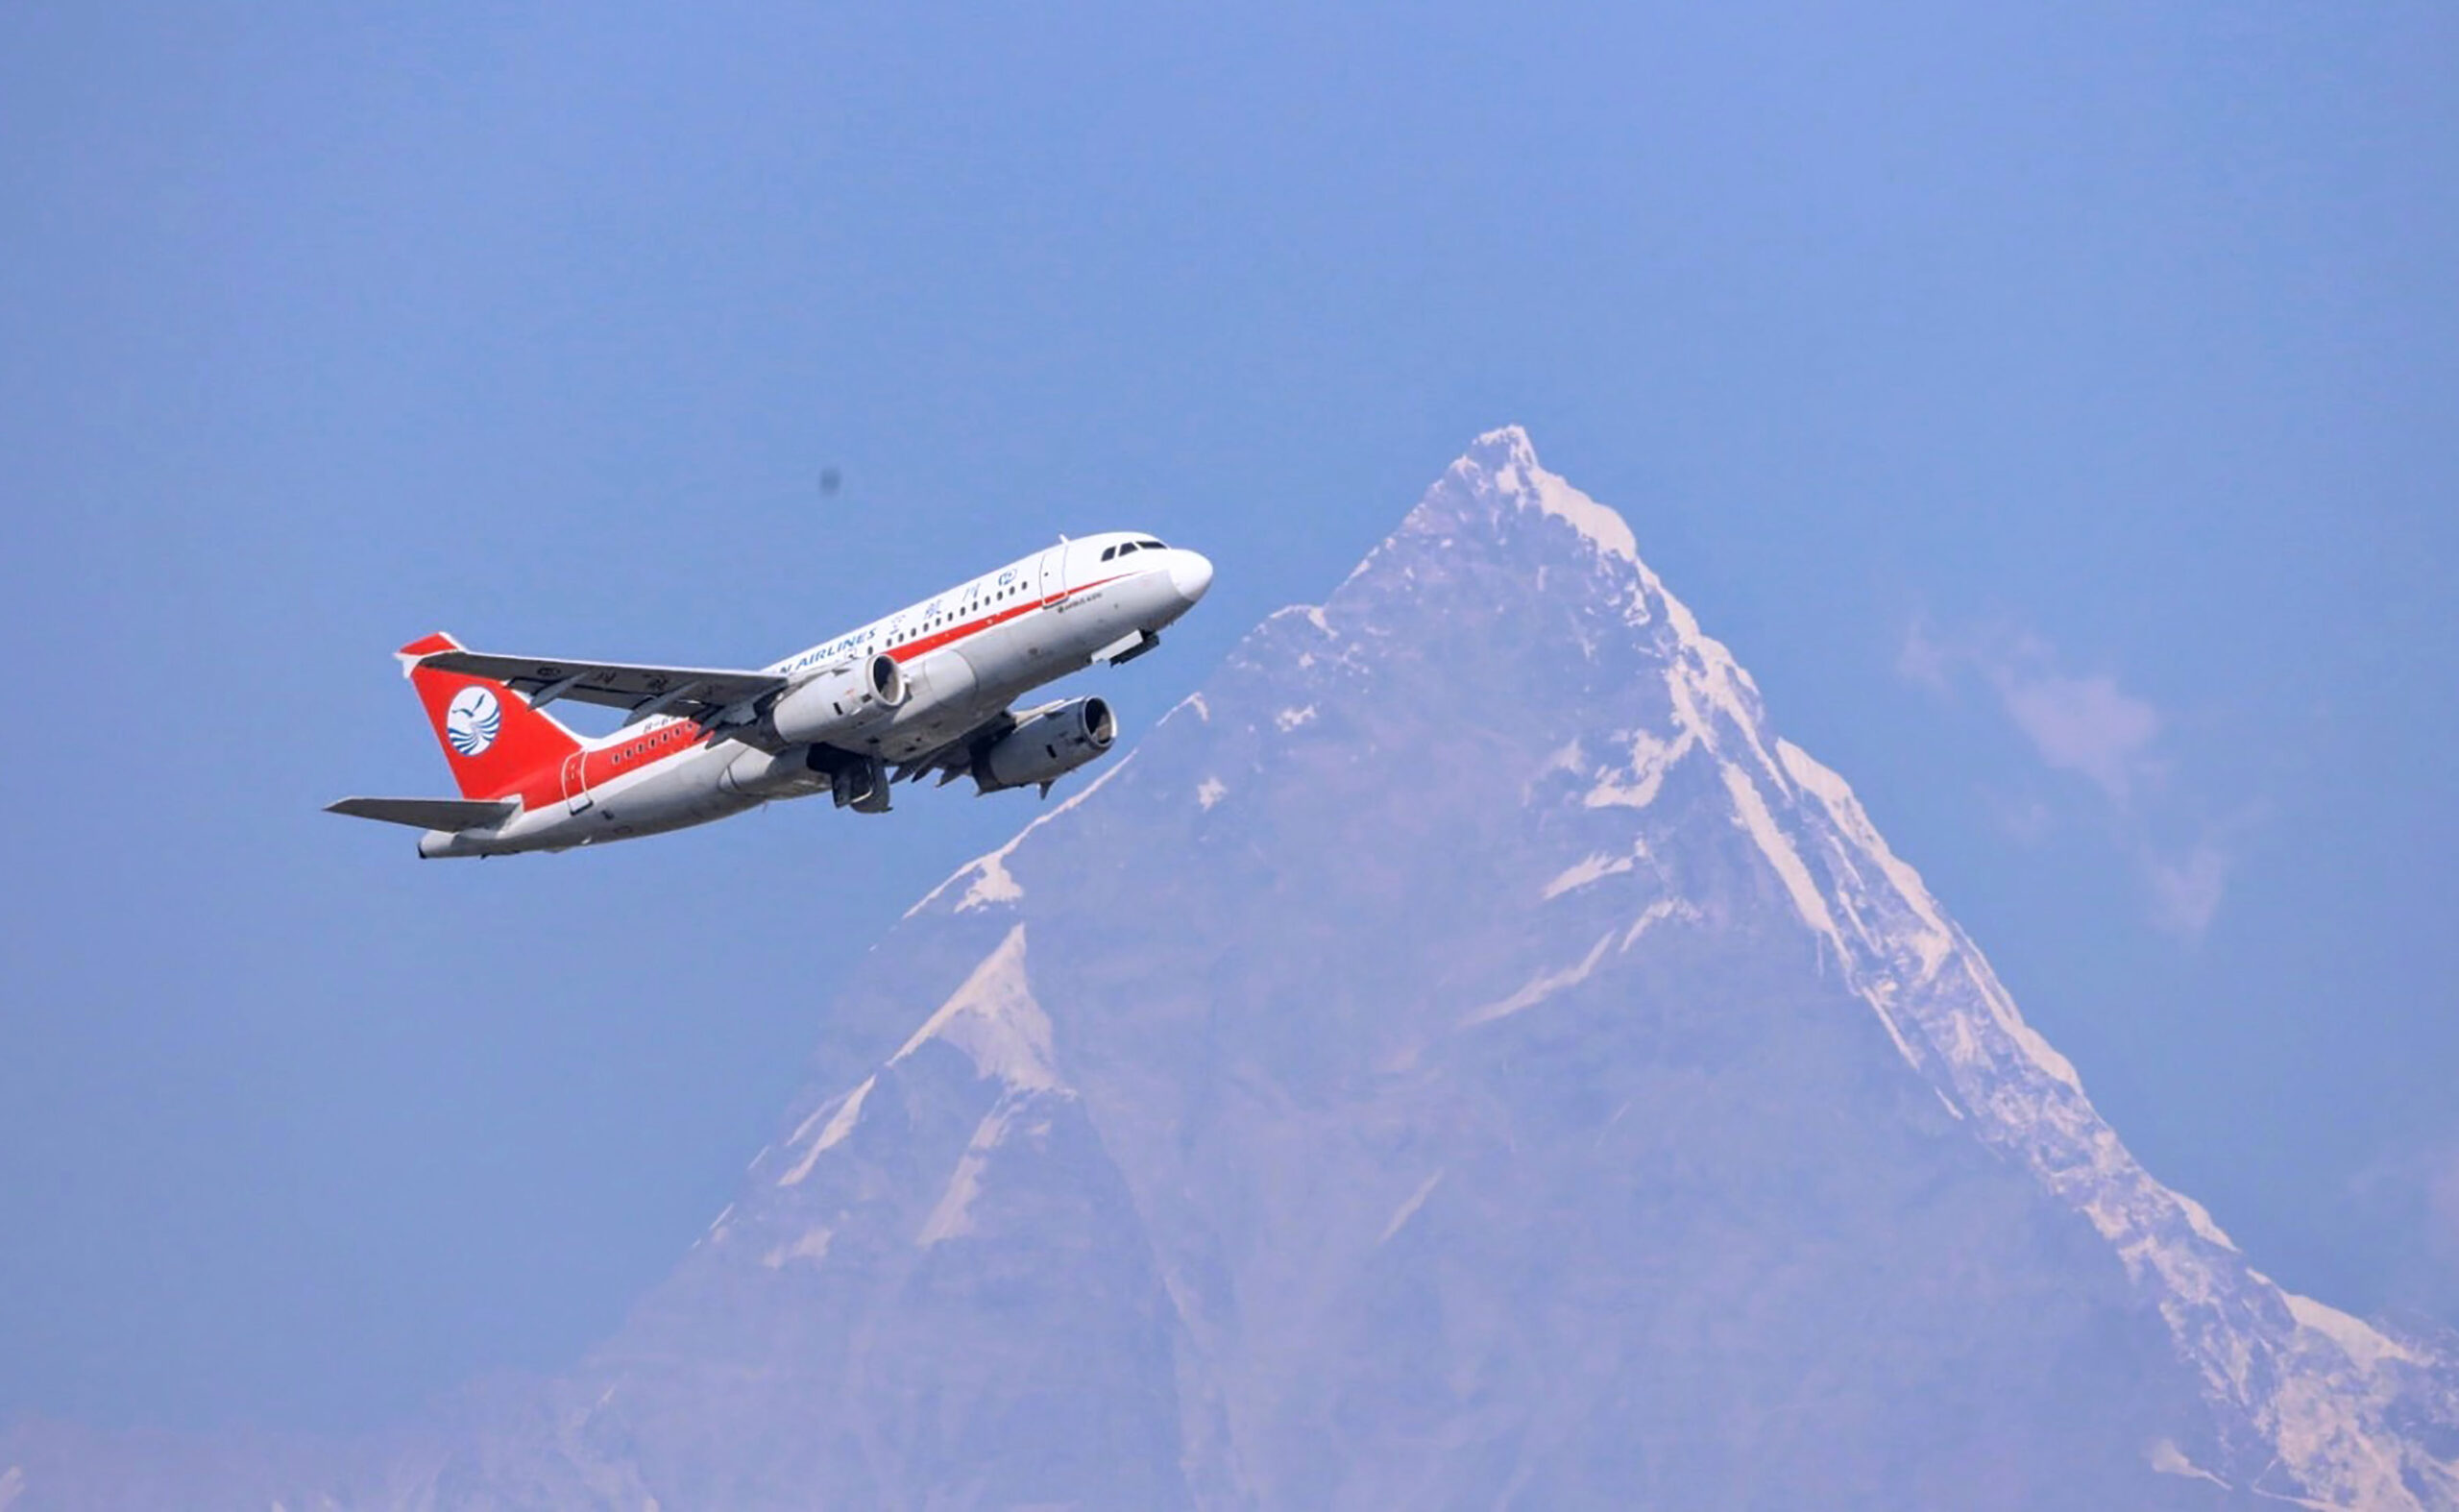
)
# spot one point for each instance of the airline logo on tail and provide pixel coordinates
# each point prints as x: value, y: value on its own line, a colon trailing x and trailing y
x: 472, y: 720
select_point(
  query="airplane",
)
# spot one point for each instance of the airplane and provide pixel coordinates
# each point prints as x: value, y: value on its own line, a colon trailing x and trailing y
x: 929, y: 689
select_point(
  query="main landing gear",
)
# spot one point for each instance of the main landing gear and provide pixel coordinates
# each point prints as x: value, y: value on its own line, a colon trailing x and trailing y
x: 858, y: 782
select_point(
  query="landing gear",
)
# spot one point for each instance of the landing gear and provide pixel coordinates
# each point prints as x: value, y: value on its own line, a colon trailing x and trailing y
x: 860, y: 783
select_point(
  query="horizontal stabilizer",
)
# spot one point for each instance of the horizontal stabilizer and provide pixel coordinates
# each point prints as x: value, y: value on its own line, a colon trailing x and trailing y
x: 430, y: 813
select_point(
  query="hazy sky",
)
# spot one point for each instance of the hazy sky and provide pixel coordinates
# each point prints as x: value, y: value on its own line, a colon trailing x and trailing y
x: 2052, y: 405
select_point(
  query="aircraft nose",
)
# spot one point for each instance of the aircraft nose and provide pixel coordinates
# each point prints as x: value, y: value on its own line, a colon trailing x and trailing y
x: 1190, y: 573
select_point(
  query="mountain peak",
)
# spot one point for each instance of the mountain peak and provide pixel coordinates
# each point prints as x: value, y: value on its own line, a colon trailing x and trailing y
x: 1502, y: 464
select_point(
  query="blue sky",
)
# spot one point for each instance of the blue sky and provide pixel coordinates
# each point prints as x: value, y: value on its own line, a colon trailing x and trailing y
x: 2050, y: 405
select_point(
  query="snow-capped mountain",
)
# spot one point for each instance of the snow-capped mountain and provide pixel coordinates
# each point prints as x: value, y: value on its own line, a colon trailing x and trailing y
x: 1463, y: 1057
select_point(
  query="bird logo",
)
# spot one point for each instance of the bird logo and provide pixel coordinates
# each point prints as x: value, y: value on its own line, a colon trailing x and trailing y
x: 472, y: 722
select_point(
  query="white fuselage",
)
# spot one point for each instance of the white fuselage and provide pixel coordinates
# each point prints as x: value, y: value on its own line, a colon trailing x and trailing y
x: 966, y: 654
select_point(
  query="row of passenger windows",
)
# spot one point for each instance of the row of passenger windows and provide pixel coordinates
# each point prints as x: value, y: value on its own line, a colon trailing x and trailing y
x: 1124, y: 547
x: 938, y: 620
x: 640, y: 748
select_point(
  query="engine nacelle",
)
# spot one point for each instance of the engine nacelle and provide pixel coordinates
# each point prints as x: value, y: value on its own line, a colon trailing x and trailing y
x: 787, y: 773
x: 839, y: 701
x: 1046, y: 746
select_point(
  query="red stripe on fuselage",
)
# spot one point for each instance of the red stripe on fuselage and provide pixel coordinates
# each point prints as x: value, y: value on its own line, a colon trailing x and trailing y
x: 957, y: 632
x: 603, y: 763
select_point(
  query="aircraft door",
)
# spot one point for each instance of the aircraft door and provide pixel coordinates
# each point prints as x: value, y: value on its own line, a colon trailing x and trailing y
x: 576, y: 782
x: 1054, y: 573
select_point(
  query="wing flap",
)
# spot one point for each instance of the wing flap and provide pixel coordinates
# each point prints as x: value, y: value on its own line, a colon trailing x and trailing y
x: 430, y: 813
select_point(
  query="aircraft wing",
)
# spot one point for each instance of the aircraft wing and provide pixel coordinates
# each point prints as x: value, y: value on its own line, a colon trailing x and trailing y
x: 646, y: 690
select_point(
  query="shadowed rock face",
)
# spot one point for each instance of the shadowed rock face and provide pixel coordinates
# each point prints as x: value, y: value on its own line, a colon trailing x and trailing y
x: 1461, y: 1057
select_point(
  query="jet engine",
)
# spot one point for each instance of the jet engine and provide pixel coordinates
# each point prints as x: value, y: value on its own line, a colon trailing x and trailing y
x: 1046, y: 744
x: 789, y: 773
x: 837, y: 702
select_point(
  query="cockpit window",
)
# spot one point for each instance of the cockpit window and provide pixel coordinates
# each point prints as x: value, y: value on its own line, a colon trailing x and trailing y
x: 1150, y: 546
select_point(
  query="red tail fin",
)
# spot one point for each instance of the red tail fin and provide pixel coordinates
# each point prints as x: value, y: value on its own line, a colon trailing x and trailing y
x: 492, y: 739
